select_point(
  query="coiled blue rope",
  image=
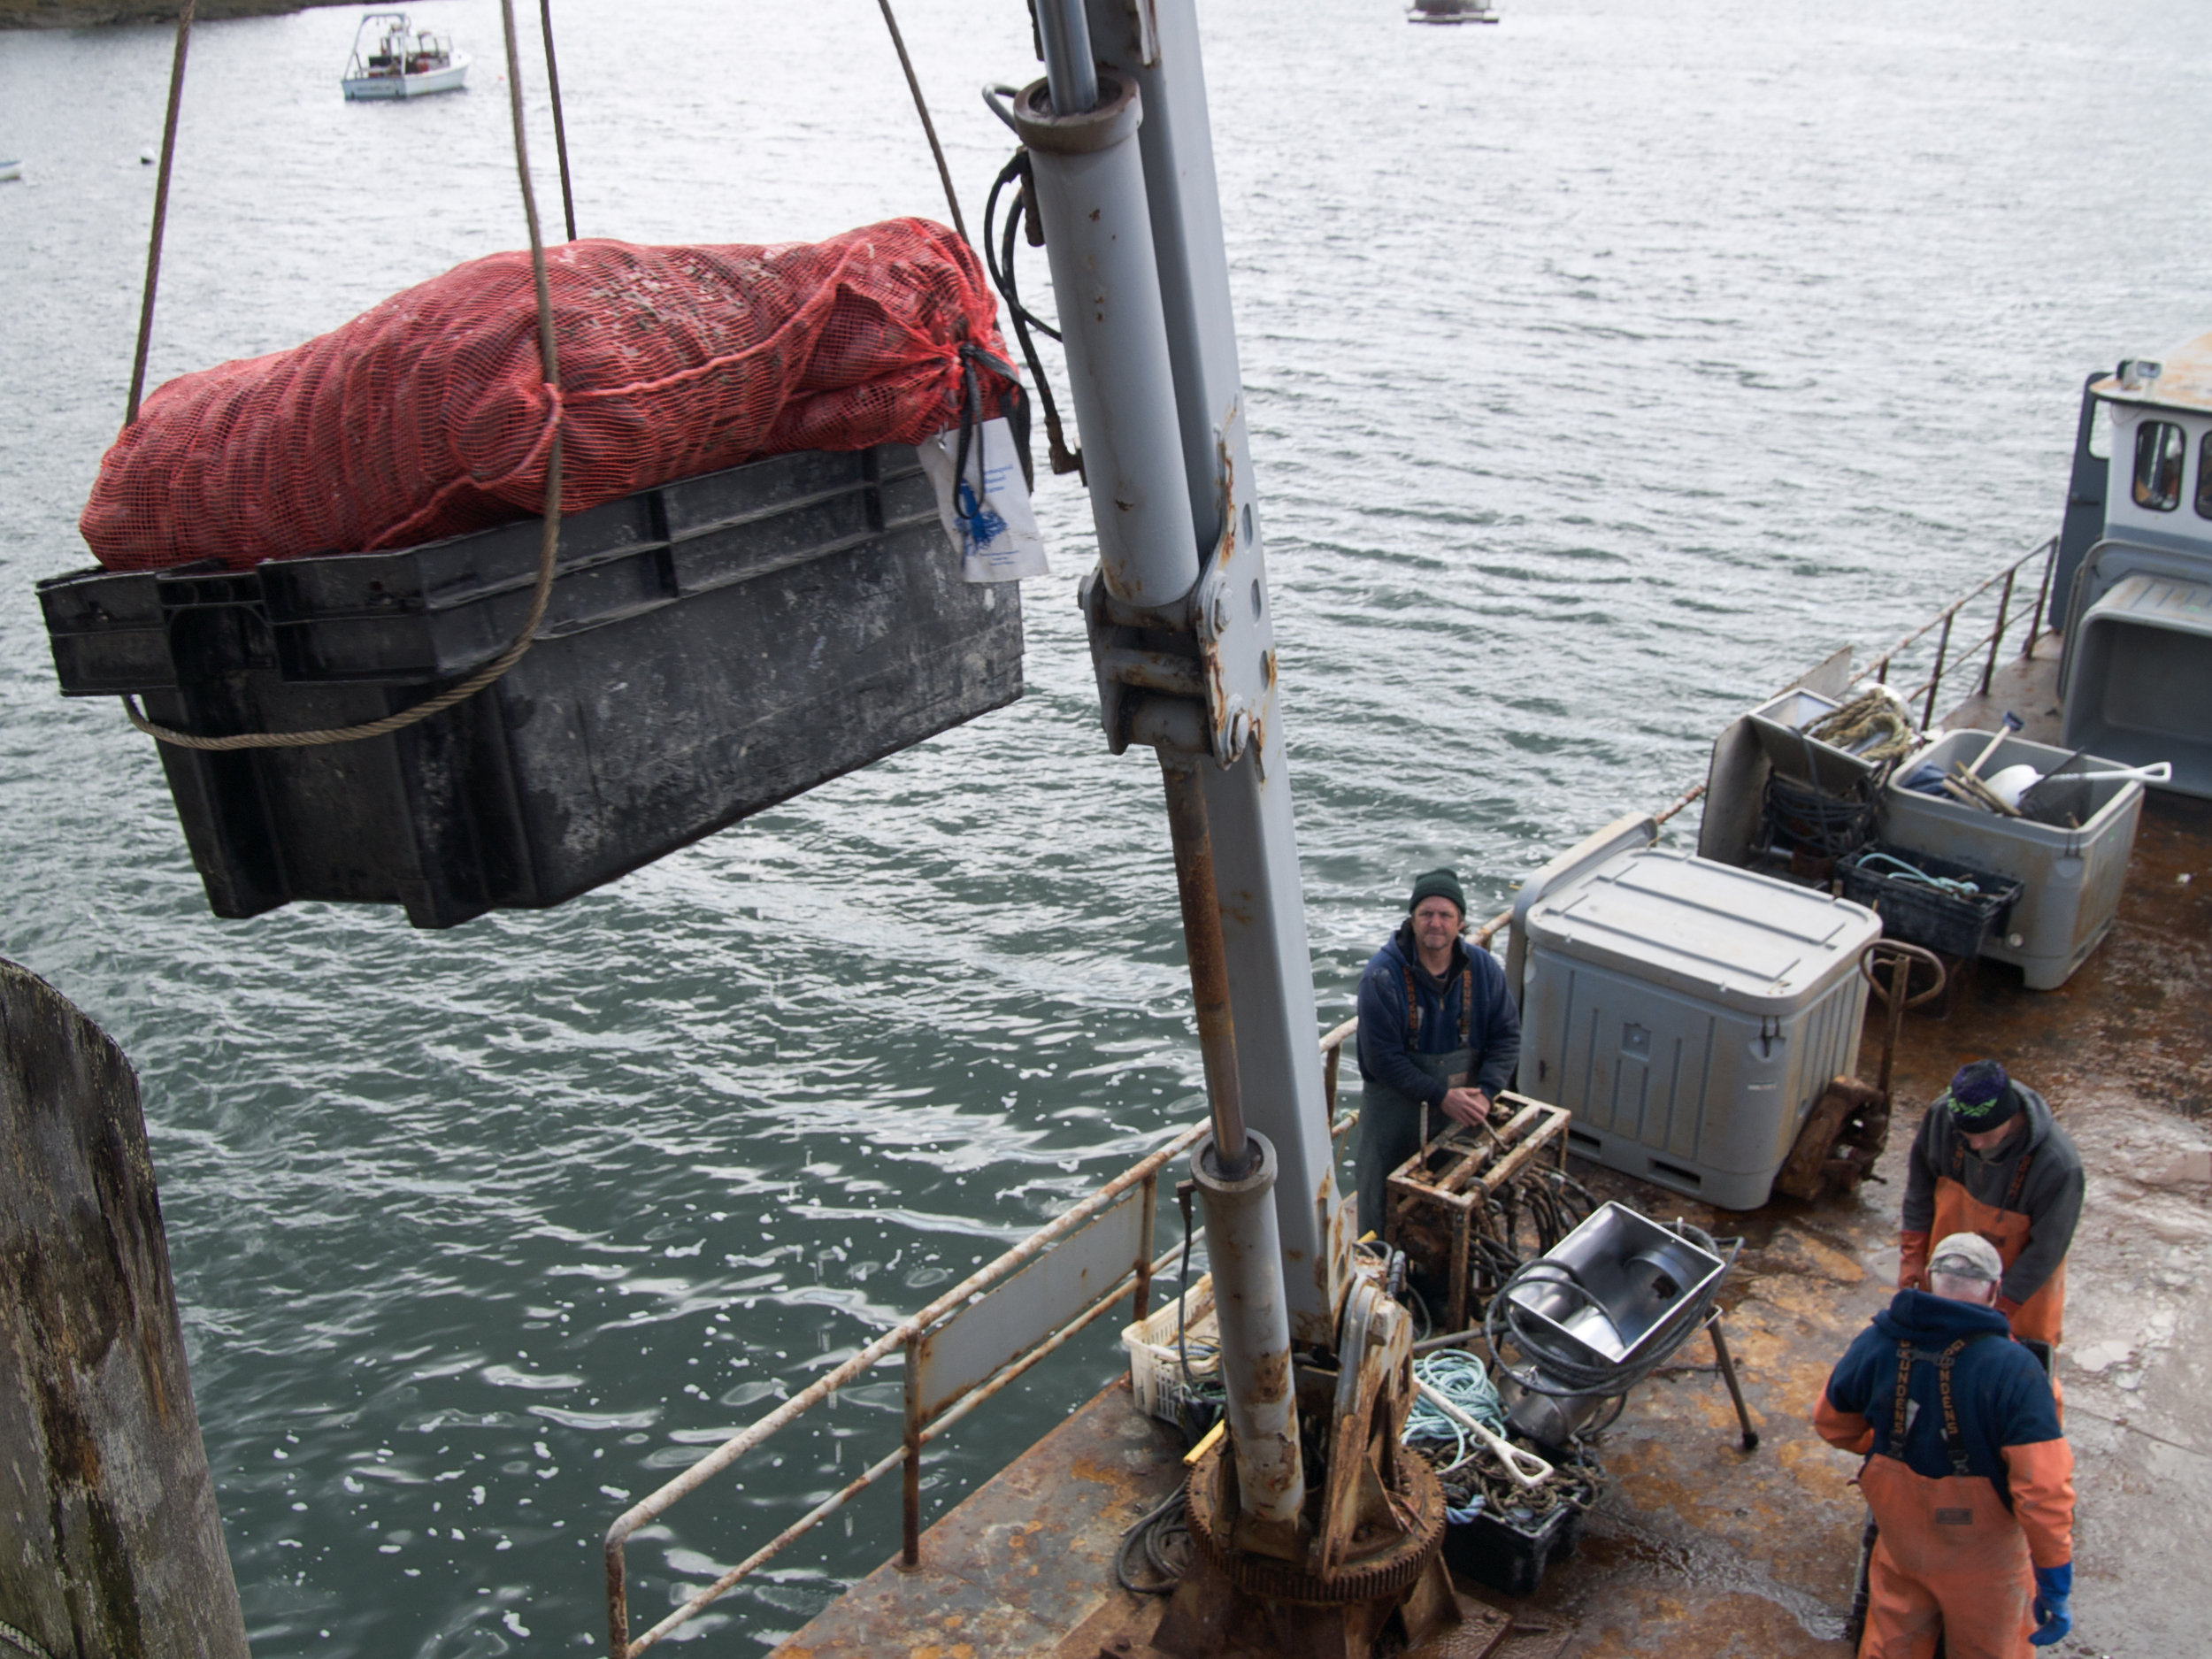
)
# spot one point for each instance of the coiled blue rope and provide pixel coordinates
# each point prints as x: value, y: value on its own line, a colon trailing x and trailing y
x: 1900, y: 870
x: 1461, y: 1379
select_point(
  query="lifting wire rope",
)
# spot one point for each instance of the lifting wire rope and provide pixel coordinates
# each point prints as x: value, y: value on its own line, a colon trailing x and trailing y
x: 161, y: 212
x: 929, y: 127
x: 549, y: 361
x: 560, y: 126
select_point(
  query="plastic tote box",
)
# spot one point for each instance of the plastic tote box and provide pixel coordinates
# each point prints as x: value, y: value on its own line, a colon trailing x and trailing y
x: 1689, y: 1013
x: 711, y: 647
x: 2071, y: 878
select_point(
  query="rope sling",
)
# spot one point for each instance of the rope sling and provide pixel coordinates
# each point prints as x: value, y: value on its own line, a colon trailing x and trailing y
x: 549, y: 363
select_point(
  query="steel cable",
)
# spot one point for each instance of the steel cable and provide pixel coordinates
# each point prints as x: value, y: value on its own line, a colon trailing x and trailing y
x: 161, y: 211
x: 1163, y: 1538
x: 549, y: 546
x: 929, y: 127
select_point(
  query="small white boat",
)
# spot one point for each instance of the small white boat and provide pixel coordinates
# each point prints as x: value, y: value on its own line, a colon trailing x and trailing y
x: 10, y: 170
x: 401, y: 61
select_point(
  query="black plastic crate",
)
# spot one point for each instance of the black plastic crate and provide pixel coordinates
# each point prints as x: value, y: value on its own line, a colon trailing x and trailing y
x: 711, y: 647
x: 1511, y: 1557
x: 1954, y: 924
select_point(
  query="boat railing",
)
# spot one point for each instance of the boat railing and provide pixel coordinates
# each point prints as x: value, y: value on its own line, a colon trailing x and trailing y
x: 1941, y: 625
x: 1945, y: 620
x: 959, y: 1351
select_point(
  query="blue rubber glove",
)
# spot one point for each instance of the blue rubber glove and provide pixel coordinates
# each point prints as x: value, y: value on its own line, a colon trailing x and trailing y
x: 2054, y: 1616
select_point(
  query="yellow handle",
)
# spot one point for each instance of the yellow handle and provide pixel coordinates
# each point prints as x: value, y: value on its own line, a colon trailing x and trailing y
x: 1206, y: 1445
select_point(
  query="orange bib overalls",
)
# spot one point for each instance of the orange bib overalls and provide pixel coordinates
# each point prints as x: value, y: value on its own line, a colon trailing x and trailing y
x: 1951, y: 1560
x: 1958, y: 1210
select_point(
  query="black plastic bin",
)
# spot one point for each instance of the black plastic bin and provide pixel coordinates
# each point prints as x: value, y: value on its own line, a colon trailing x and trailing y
x: 711, y: 647
x: 1511, y: 1557
x: 1954, y: 924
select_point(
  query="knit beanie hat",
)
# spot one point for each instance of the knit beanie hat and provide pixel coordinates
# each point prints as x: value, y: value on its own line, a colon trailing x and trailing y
x: 1981, y: 1096
x: 1438, y: 884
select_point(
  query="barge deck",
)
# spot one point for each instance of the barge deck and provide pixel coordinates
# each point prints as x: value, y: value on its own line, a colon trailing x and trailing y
x: 1701, y: 1550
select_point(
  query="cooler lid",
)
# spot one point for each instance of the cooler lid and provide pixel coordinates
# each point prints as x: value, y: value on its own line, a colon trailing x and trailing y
x: 1747, y: 941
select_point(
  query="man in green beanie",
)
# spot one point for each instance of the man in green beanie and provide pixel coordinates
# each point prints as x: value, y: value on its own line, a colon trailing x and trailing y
x: 1436, y: 1029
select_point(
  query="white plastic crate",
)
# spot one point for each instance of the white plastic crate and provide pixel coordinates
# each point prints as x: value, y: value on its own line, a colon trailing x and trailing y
x: 1156, y: 1364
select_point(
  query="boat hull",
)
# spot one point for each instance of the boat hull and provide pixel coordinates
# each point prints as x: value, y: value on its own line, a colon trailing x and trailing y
x: 452, y: 78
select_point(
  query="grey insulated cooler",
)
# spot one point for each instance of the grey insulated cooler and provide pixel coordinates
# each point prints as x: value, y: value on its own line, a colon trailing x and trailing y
x: 1689, y: 1013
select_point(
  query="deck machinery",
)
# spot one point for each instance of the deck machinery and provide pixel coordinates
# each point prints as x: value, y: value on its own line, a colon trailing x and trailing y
x: 1316, y: 1357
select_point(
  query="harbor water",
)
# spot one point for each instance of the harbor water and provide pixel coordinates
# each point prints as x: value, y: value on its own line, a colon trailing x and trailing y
x: 1605, y: 368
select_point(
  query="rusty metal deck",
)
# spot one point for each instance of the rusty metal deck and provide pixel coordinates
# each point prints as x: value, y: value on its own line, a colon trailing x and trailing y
x: 1701, y: 1550
x: 1023, y: 1560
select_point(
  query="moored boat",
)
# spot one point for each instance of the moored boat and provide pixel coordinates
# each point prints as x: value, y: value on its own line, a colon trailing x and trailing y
x: 394, y: 59
x: 10, y: 170
x: 1451, y: 11
x: 2131, y: 588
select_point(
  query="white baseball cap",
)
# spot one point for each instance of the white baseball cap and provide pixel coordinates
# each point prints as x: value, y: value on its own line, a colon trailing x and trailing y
x: 1967, y: 1256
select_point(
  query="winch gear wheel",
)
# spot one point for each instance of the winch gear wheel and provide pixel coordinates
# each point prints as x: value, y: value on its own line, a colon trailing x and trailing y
x: 1379, y: 1577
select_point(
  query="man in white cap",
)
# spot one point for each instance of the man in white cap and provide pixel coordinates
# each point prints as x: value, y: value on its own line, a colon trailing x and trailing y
x: 1968, y: 1474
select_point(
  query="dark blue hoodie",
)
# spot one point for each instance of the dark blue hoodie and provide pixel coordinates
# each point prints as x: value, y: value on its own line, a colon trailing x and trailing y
x: 2002, y: 1396
x: 1494, y: 1023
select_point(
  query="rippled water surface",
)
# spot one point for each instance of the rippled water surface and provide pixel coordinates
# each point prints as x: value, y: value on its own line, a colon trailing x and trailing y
x: 1605, y: 368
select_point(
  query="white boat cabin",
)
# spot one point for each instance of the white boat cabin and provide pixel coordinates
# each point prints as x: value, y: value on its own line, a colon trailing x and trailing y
x: 2132, y: 582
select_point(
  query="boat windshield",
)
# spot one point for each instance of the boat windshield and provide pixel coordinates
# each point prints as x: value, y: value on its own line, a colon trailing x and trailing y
x: 2160, y: 452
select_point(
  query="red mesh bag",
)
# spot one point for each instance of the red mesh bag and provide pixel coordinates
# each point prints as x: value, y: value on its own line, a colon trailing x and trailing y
x: 426, y: 417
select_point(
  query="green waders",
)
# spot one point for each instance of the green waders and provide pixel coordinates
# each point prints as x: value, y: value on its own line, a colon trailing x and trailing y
x: 1389, y: 1123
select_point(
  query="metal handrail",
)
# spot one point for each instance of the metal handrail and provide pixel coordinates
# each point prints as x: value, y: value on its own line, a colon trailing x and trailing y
x: 1929, y: 689
x: 1140, y: 1178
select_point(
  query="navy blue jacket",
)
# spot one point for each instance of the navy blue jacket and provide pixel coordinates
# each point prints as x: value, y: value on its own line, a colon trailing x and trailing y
x: 1494, y: 1023
x: 2002, y: 1396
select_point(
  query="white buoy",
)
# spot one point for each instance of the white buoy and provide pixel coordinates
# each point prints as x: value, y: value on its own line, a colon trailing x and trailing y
x: 2014, y: 781
x: 2009, y: 783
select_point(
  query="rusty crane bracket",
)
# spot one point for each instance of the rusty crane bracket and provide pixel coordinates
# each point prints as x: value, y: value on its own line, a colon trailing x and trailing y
x: 1374, y: 1350
x: 1207, y: 657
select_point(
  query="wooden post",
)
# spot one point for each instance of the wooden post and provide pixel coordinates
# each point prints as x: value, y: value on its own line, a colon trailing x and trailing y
x: 109, y: 1540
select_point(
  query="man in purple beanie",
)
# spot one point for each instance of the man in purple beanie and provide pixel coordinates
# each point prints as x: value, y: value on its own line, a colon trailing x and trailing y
x: 1990, y: 1159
